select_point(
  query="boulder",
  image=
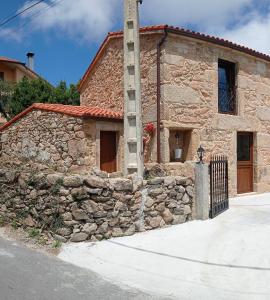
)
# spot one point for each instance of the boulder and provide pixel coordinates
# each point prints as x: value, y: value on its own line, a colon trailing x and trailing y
x: 64, y: 231
x: 95, y: 182
x: 186, y: 198
x: 33, y: 195
x: 103, y: 228
x: 73, y: 181
x: 169, y: 181
x: 137, y: 182
x: 155, y: 170
x: 187, y: 210
x: 54, y: 178
x: 155, y: 191
x: 79, y: 237
x: 117, y: 232
x: 181, y: 180
x: 190, y: 190
x: 156, y: 181
x: 160, y: 207
x: 167, y: 216
x: 94, y: 191
x: 149, y: 202
x: 121, y: 184
x: 155, y: 222
x: 79, y: 193
x: 67, y: 216
x: 99, y: 173
x: 130, y: 231
x: 59, y: 238
x: 90, y: 228
x: 113, y: 222
x: 29, y: 221
x: 79, y: 215
x: 179, y: 219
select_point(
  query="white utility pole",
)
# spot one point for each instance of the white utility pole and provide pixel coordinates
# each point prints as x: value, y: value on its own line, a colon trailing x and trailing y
x: 132, y: 90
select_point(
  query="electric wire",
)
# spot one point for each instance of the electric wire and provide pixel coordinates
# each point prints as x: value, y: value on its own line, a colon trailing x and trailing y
x: 37, y: 14
x: 9, y: 19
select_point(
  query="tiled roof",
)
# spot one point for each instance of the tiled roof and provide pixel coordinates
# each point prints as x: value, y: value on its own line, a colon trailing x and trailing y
x: 180, y: 31
x: 70, y: 110
x: 7, y: 59
x: 14, y: 61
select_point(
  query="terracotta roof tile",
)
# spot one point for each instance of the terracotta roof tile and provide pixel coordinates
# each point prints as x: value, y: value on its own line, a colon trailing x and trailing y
x: 7, y: 59
x: 70, y: 110
x: 180, y: 31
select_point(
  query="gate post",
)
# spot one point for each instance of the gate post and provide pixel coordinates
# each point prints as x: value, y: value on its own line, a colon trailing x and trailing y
x: 201, y: 191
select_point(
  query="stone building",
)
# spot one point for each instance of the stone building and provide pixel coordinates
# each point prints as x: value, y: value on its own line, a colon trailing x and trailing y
x: 12, y: 70
x: 209, y: 91
x: 196, y: 90
x: 64, y: 138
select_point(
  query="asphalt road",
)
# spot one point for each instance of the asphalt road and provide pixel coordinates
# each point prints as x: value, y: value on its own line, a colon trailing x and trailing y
x: 26, y: 274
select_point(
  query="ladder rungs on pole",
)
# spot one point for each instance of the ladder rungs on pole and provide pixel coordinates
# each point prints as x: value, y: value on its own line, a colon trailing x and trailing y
x: 132, y: 141
x: 131, y: 114
x: 132, y: 166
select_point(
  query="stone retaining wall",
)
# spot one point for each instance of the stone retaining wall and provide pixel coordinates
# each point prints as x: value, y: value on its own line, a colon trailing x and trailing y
x: 93, y: 207
x: 52, y: 139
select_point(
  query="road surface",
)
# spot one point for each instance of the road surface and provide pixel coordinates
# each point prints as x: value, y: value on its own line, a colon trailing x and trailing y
x: 226, y: 258
x: 26, y: 274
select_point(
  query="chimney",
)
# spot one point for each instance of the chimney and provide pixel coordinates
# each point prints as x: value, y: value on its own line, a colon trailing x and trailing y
x: 30, y: 63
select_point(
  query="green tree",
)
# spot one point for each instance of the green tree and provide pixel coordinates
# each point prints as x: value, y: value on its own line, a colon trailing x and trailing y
x: 6, y: 91
x: 26, y: 92
x: 65, y: 95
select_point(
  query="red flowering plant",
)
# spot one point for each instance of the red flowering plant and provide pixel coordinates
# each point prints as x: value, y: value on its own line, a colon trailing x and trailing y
x: 148, y: 133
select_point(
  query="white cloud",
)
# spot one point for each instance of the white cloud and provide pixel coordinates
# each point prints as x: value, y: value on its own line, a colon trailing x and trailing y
x: 82, y: 19
x: 246, y: 22
x: 205, y: 14
x: 254, y: 34
x: 242, y: 21
x: 10, y: 34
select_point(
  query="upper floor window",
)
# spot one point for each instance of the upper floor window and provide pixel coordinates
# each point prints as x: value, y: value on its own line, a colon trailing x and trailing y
x: 226, y: 87
x: 2, y: 77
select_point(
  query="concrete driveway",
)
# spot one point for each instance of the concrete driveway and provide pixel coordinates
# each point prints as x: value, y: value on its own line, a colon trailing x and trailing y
x: 29, y: 275
x: 224, y: 258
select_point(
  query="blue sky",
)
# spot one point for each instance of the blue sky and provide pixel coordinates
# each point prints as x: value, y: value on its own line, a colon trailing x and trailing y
x: 65, y: 34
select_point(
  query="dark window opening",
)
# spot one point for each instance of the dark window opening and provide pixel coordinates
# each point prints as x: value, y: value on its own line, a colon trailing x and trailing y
x: 2, y: 76
x: 226, y: 87
x: 244, y: 142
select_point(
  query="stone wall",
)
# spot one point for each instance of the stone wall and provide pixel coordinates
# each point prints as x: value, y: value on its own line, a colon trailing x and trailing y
x: 104, y: 87
x: 93, y: 207
x: 60, y: 142
x: 190, y: 101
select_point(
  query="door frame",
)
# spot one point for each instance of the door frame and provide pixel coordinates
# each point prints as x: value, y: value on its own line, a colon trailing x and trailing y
x: 249, y: 163
x: 110, y: 126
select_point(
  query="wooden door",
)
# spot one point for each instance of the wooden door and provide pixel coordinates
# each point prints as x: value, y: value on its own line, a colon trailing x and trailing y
x: 244, y: 162
x: 108, y: 151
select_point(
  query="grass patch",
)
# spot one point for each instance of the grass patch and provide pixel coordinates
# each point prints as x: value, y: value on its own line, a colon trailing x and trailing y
x: 33, y: 233
x: 55, y: 189
x: 57, y: 244
x: 57, y: 221
x: 2, y: 221
x: 14, y: 224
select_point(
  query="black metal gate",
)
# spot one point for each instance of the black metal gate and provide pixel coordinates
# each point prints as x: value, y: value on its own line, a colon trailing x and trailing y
x: 219, y: 196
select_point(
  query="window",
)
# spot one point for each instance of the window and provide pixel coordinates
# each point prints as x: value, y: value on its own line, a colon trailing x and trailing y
x: 1, y: 75
x: 226, y: 87
x: 179, y: 143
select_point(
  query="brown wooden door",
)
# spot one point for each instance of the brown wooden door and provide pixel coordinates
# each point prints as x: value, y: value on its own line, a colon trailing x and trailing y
x: 108, y: 151
x: 244, y: 162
